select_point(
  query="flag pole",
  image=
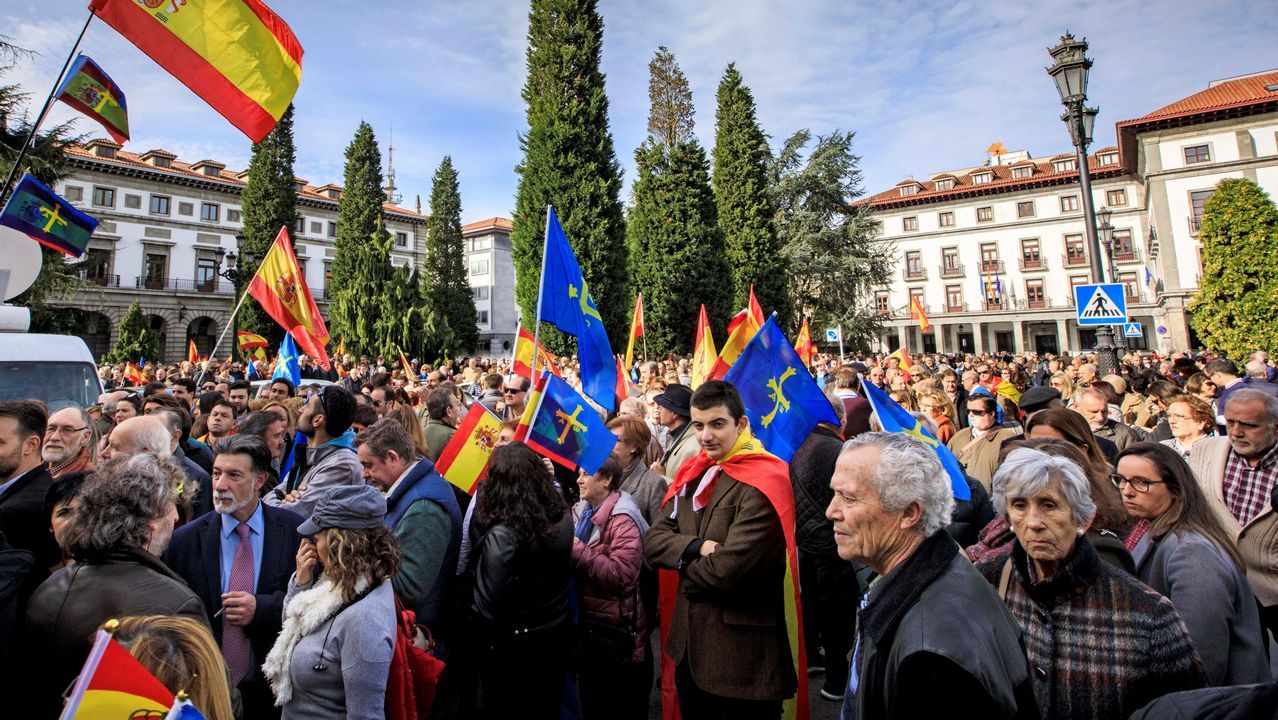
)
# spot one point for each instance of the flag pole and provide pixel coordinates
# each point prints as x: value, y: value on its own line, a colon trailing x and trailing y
x: 48, y: 102
x: 541, y: 283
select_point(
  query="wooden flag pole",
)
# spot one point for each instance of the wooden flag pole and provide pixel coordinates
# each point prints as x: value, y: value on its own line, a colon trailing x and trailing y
x: 48, y: 102
x: 541, y: 283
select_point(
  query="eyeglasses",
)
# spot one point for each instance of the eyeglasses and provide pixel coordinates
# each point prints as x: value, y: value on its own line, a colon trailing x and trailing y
x: 62, y: 430
x: 1141, y: 484
x: 1178, y: 418
x: 977, y: 413
x: 513, y: 391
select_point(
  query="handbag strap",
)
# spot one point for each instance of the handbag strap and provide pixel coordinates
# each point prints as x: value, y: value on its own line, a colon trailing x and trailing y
x: 1004, y: 580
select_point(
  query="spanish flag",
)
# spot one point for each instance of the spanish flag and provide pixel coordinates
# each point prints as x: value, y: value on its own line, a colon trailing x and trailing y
x: 916, y: 310
x: 134, y: 375
x: 803, y: 344
x: 113, y: 685
x: 192, y: 352
x: 280, y: 287
x: 741, y: 331
x: 703, y: 354
x: 237, y: 55
x: 524, y: 342
x: 464, y: 460
x: 410, y: 377
x: 756, y: 312
x: 636, y: 330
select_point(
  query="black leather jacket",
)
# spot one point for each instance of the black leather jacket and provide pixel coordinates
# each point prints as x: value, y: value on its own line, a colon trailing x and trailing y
x: 522, y: 586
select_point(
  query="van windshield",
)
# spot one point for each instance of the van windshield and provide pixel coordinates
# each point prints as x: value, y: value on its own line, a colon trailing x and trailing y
x: 58, y: 384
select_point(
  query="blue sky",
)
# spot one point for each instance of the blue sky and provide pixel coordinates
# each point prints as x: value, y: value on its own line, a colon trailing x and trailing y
x: 926, y: 86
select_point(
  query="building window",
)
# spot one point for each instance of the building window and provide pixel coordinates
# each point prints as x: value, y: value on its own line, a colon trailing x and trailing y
x: 989, y: 258
x: 1075, y: 281
x: 481, y: 317
x: 332, y: 229
x: 945, y: 219
x: 206, y: 274
x: 1109, y: 158
x: 209, y: 212
x: 945, y: 184
x: 1197, y: 200
x: 984, y: 214
x: 74, y: 193
x: 982, y: 178
x: 1131, y: 286
x: 1034, y: 294
x: 913, y: 265
x: 1067, y: 165
x: 1195, y: 154
x: 96, y: 267
x: 1025, y: 209
x: 1115, y: 198
x: 954, y: 298
x: 133, y: 202
x: 481, y: 243
x: 1031, y: 256
x: 1075, y: 251
x: 160, y: 204
x: 479, y: 267
x: 909, y: 224
x: 1022, y: 172
x: 950, y: 261
x: 480, y: 293
x: 1069, y: 203
x: 156, y: 270
x: 907, y: 190
x: 186, y: 209
x: 104, y: 197
x: 233, y: 216
x: 1123, y: 248
x: 401, y: 239
x: 882, y: 305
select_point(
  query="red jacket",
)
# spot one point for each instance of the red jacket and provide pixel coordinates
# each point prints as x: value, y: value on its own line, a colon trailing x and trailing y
x: 607, y: 567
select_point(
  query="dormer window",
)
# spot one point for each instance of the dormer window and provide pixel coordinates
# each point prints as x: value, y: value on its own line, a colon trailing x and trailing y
x: 209, y: 168
x: 1064, y: 165
x: 102, y: 148
x: 982, y: 178
x: 945, y: 184
x: 907, y: 190
x: 158, y: 158
x: 1109, y: 158
x: 1020, y: 172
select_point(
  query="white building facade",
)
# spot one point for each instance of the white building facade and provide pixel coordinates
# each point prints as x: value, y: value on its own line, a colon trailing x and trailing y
x: 492, y: 282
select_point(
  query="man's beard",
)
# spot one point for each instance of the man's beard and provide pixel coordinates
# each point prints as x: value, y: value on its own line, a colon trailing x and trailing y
x: 57, y: 456
x: 231, y: 505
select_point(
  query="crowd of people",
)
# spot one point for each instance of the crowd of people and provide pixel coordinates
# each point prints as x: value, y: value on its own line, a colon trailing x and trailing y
x: 262, y: 545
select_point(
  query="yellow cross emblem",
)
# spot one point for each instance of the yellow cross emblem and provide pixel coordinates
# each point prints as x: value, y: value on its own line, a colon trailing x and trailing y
x: 570, y: 423
x: 583, y: 297
x: 917, y: 431
x: 780, y: 402
x: 52, y: 217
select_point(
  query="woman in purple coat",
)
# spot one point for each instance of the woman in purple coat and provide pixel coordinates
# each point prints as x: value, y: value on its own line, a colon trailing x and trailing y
x: 607, y: 555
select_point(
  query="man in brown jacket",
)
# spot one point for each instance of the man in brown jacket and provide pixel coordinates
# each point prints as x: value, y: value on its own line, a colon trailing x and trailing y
x: 727, y: 638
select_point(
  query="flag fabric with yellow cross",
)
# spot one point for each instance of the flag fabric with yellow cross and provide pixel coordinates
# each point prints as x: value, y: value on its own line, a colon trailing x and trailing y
x: 37, y: 212
x: 894, y: 418
x: 559, y: 424
x: 781, y: 399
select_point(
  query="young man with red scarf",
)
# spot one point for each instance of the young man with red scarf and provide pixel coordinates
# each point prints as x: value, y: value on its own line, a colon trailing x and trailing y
x: 726, y: 639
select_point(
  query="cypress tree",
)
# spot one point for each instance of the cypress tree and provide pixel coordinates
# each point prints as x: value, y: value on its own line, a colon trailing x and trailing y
x: 269, y: 202
x: 741, y: 160
x: 136, y: 341
x: 1237, y: 299
x: 446, y: 283
x: 361, y: 258
x: 569, y: 162
x: 676, y: 251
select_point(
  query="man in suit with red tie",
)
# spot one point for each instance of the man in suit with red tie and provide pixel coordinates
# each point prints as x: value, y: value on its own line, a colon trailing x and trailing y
x: 238, y: 559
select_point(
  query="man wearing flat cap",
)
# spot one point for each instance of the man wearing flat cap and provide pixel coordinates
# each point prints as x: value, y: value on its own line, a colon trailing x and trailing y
x: 673, y: 413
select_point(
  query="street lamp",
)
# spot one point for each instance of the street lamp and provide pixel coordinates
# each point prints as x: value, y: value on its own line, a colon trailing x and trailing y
x: 234, y: 271
x: 1069, y: 71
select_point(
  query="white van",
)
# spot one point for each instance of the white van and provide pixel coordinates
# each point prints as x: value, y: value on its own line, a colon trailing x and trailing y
x: 58, y: 369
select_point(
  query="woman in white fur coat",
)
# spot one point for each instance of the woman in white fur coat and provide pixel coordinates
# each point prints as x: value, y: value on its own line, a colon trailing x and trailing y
x: 334, y: 652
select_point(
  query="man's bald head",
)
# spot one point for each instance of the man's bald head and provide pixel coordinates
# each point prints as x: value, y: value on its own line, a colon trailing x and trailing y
x: 141, y: 434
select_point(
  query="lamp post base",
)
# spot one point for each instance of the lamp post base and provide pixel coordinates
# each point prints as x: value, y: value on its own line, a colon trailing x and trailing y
x: 1106, y: 351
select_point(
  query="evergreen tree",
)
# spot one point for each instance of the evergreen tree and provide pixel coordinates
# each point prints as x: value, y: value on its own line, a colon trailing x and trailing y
x: 829, y: 238
x: 268, y: 202
x: 1237, y: 300
x: 676, y: 252
x: 446, y: 283
x: 569, y: 162
x: 741, y: 160
x: 361, y: 258
x: 46, y: 161
x: 136, y: 341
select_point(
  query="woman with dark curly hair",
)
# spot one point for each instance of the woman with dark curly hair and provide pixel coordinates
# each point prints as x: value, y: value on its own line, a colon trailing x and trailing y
x: 521, y: 563
x: 333, y: 655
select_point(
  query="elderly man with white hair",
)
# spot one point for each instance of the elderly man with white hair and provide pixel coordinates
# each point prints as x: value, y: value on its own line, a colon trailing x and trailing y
x: 68, y: 442
x: 157, y: 434
x: 931, y: 633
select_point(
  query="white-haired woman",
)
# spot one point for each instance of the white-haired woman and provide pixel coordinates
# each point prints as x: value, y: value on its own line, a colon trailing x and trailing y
x: 1100, y: 643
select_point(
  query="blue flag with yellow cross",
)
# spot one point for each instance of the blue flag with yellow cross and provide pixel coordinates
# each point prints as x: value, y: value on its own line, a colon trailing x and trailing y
x: 781, y: 399
x: 895, y: 418
x: 559, y: 424
x: 565, y: 302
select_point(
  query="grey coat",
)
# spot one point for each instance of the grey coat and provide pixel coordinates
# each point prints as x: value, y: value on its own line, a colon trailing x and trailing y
x: 1213, y: 598
x: 357, y: 656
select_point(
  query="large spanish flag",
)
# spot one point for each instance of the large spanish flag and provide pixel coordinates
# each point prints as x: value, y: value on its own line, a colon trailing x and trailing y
x: 703, y: 355
x: 280, y: 287
x: 464, y: 460
x: 743, y: 329
x: 114, y: 686
x: 237, y: 55
x: 524, y: 343
x: 636, y: 330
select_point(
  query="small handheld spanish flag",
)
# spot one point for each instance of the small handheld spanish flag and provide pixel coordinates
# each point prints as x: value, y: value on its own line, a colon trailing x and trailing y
x: 114, y: 686
x: 464, y: 460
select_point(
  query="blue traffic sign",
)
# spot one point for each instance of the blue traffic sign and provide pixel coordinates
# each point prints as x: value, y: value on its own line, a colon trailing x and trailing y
x: 833, y: 335
x: 1133, y: 330
x: 1100, y: 304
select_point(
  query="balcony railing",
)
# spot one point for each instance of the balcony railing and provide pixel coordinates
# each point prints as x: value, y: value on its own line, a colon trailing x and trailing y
x: 211, y: 287
x: 1126, y: 255
x: 1040, y: 304
x: 994, y: 305
x: 914, y: 273
x: 1029, y: 264
x: 952, y: 271
x: 1071, y: 261
x: 959, y: 308
x: 103, y: 280
x: 991, y: 266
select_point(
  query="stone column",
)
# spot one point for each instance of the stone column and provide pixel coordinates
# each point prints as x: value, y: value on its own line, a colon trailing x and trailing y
x: 902, y: 337
x: 1018, y: 337
x: 1062, y: 336
x: 978, y: 338
x: 939, y: 331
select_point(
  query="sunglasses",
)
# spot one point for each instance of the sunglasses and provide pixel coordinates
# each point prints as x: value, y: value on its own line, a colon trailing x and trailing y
x: 978, y: 413
x: 514, y: 391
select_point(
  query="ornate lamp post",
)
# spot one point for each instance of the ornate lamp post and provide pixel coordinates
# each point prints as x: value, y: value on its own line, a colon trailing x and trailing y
x: 1070, y: 73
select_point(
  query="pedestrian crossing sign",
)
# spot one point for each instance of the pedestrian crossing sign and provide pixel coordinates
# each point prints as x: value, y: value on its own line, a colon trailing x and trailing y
x: 1133, y: 329
x: 1104, y: 304
x: 834, y: 335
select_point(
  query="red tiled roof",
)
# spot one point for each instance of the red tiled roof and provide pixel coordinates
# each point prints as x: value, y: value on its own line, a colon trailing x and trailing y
x: 1222, y: 95
x: 1044, y: 174
x: 493, y: 223
x: 127, y: 159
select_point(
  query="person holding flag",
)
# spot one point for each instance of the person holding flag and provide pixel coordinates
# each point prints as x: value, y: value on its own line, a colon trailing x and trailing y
x: 729, y: 586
